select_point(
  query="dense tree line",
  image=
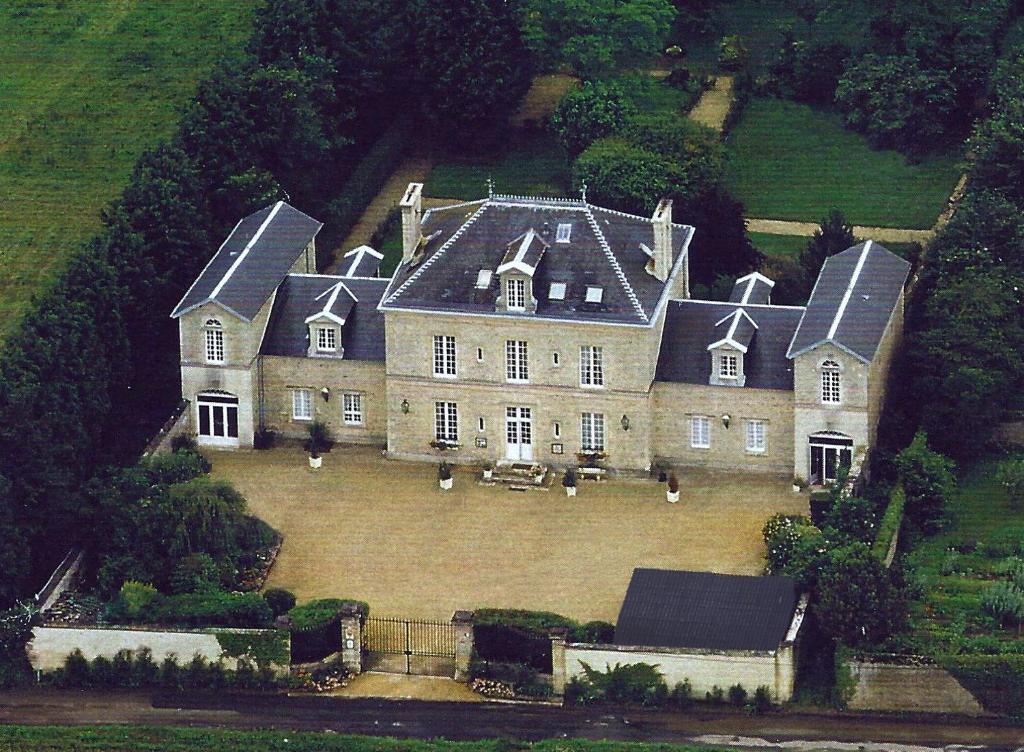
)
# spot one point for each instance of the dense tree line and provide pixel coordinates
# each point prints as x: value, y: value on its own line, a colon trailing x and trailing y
x: 93, y: 369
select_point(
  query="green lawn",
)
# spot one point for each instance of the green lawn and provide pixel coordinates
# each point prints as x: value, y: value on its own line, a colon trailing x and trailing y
x: 529, y: 164
x: 791, y: 161
x: 779, y: 246
x: 85, y: 86
x: 957, y: 566
x: 165, y: 739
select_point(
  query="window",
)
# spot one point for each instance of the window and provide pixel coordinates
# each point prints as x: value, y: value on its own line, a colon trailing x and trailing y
x: 479, y: 355
x: 592, y: 432
x: 444, y: 356
x: 483, y: 279
x: 595, y: 294
x: 755, y: 435
x: 515, y: 294
x: 516, y: 368
x: 564, y: 233
x: 591, y: 366
x: 214, y: 342
x: 727, y: 366
x: 700, y: 432
x: 352, y: 409
x: 556, y: 359
x: 302, y: 404
x: 556, y: 291
x: 830, y: 391
x: 446, y: 421
x: 556, y: 430
x: 326, y: 338
x: 481, y: 426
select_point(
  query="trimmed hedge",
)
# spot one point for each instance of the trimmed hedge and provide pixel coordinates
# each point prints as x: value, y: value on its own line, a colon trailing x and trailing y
x: 317, y: 613
x: 891, y: 522
x: 316, y: 628
x: 996, y: 681
x: 509, y: 635
x: 213, y: 609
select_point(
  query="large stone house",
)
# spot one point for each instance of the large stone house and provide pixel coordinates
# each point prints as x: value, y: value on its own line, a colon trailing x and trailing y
x: 537, y: 329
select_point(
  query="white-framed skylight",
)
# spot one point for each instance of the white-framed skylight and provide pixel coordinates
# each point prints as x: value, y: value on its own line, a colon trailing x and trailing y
x: 595, y: 294
x: 564, y: 232
x: 483, y: 279
x: 557, y: 291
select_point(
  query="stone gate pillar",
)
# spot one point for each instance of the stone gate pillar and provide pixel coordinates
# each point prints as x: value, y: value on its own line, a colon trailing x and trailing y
x: 558, y: 637
x: 352, y: 617
x: 462, y: 623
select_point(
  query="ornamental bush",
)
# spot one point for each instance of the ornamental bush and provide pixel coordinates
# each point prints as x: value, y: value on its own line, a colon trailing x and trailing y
x: 281, y: 601
x: 1004, y: 602
x: 928, y: 482
x: 639, y: 683
x: 595, y: 110
x: 1010, y: 476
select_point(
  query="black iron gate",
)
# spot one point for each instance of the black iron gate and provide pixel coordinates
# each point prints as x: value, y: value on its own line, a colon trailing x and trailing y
x: 409, y: 647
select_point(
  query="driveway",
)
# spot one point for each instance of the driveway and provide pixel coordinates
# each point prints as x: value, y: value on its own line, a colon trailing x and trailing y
x: 381, y: 531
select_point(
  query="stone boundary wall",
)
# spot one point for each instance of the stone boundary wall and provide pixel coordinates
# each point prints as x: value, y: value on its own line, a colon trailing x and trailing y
x: 916, y: 689
x: 178, y: 423
x: 704, y: 669
x: 61, y: 579
x: 49, y: 646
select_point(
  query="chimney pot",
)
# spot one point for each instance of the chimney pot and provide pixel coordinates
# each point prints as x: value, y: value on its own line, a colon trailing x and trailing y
x: 662, y: 222
x: 412, y: 216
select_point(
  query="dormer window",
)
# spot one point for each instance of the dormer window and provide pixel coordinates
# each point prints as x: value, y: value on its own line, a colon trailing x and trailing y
x: 831, y: 388
x: 515, y: 294
x: 213, y: 333
x: 483, y: 279
x: 326, y: 339
x: 556, y: 291
x: 595, y: 294
x: 728, y: 366
x: 563, y: 233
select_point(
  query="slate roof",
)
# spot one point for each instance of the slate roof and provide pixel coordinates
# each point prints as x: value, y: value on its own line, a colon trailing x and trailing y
x: 852, y: 300
x: 704, y: 610
x: 690, y: 328
x: 362, y: 335
x: 252, y: 261
x: 736, y: 329
x: 361, y: 262
x: 604, y: 250
x: 753, y: 288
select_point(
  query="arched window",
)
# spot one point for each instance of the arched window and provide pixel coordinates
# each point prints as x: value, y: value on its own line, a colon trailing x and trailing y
x: 214, y: 335
x: 831, y: 390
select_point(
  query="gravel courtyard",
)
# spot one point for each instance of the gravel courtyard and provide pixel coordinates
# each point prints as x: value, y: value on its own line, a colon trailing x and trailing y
x: 381, y: 531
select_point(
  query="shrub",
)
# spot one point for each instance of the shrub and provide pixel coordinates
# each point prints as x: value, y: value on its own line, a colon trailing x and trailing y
x: 76, y: 672
x: 763, y: 702
x: 640, y: 683
x: 317, y: 613
x: 715, y: 694
x: 733, y: 53
x: 781, y: 533
x: 280, y: 600
x: 737, y: 695
x: 1010, y: 476
x: 928, y: 482
x: 595, y: 110
x: 444, y: 471
x: 599, y: 632
x: 569, y: 479
x: 176, y: 467
x: 212, y: 609
x: 136, y: 598
x: 519, y: 636
x: 891, y: 522
x: 320, y: 438
x: 681, y: 697
x: 184, y: 442
x: 1004, y: 602
x: 673, y: 483
x: 264, y: 438
x: 195, y: 573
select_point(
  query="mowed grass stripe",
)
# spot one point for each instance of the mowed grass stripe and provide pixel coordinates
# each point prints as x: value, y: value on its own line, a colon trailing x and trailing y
x: 85, y: 87
x: 791, y: 161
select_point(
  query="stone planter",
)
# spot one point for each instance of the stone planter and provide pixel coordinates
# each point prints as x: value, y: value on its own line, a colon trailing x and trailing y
x: 488, y: 474
x: 570, y: 490
x: 672, y: 496
x: 446, y: 484
x: 315, y: 462
x: 796, y: 488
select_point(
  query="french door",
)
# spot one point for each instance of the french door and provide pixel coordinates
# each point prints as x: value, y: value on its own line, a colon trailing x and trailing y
x: 518, y: 433
x: 217, y: 419
x: 828, y: 456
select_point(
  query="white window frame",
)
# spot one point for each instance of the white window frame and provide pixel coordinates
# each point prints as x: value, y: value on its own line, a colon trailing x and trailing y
x: 326, y: 339
x: 831, y: 383
x: 556, y: 359
x: 756, y: 436
x: 564, y: 232
x: 446, y: 421
x: 556, y: 429
x: 481, y: 424
x: 592, y: 433
x: 517, y: 365
x: 446, y: 357
x: 302, y: 404
x: 479, y: 355
x: 728, y: 366
x: 515, y: 294
x: 592, y: 366
x: 213, y: 341
x: 352, y: 408
x: 700, y: 432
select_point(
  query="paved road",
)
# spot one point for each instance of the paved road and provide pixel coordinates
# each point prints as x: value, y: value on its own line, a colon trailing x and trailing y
x: 465, y: 721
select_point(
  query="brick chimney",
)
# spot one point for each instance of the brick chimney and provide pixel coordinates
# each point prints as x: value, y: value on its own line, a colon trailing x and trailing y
x: 412, y: 213
x: 662, y: 221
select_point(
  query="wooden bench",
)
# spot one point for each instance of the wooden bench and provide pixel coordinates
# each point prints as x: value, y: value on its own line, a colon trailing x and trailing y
x: 591, y: 473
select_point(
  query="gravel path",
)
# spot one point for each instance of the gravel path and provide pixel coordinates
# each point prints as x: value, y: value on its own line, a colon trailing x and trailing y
x: 713, y: 106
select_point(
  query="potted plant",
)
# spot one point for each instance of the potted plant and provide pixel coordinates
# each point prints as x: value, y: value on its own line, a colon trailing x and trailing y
x: 488, y: 471
x: 672, y: 493
x: 444, y: 476
x: 569, y: 482
x: 799, y: 484
x: 315, y: 460
x: 319, y: 441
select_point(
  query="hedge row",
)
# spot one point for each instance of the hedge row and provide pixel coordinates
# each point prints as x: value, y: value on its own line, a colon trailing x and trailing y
x: 517, y: 636
x: 891, y: 522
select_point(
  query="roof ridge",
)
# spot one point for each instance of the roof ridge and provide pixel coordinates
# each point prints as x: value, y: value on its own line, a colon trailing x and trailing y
x: 854, y: 278
x: 630, y: 293
x: 460, y: 205
x: 501, y: 197
x: 437, y: 254
x: 245, y: 251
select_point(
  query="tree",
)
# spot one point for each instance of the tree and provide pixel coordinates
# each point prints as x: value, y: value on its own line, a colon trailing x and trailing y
x: 808, y: 71
x: 596, y: 38
x: 1011, y: 477
x: 896, y: 103
x: 14, y: 554
x: 471, y: 65
x: 595, y: 110
x: 986, y: 234
x: 831, y: 237
x: 928, y: 482
x: 858, y: 601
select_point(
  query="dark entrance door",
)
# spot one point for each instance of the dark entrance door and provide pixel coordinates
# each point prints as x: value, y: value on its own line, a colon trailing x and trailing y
x: 829, y: 453
x: 405, y: 646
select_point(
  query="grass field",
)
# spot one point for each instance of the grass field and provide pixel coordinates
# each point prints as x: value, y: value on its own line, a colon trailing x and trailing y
x: 961, y: 563
x: 780, y: 246
x: 166, y: 739
x: 791, y: 161
x: 85, y: 86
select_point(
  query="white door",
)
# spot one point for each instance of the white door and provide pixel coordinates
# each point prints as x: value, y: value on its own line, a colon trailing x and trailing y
x: 518, y: 433
x: 217, y: 419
